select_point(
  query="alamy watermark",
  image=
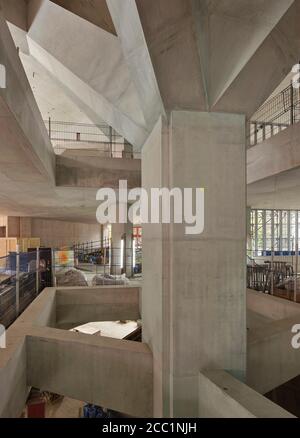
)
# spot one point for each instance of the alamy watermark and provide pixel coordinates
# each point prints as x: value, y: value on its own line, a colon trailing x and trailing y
x: 296, y: 338
x: 2, y: 76
x: 158, y: 205
x: 2, y: 337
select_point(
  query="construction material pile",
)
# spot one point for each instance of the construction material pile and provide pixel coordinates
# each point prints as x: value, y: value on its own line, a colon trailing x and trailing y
x: 289, y: 284
x: 110, y: 280
x: 69, y: 277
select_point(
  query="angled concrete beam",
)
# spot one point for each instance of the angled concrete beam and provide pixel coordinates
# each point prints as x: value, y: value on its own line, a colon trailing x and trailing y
x: 91, y: 66
x: 130, y: 32
x: 223, y: 396
x: 170, y: 34
x: 92, y: 103
x: 24, y: 142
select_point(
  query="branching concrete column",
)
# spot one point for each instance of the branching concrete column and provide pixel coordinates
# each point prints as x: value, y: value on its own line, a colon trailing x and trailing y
x: 121, y: 242
x: 193, y: 304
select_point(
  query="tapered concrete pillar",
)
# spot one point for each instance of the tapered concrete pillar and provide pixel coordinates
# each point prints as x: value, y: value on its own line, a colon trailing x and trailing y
x: 121, y: 243
x: 193, y: 303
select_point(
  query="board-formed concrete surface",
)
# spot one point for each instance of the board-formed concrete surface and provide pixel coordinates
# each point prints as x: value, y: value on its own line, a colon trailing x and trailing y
x: 222, y: 396
x: 275, y: 155
x: 271, y: 359
x: 107, y: 372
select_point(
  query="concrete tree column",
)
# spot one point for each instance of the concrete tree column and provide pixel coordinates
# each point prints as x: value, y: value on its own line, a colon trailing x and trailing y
x: 193, y: 303
x: 248, y: 222
x: 120, y: 231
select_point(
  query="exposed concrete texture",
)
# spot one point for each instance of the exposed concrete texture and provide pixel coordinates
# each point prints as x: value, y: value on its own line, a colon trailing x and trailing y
x: 229, y: 32
x: 86, y: 170
x: 202, y: 303
x: 103, y: 371
x: 155, y: 306
x: 13, y: 227
x: 27, y: 162
x: 223, y: 46
x: 15, y: 11
x: 96, y: 12
x: 56, y: 234
x: 49, y: 93
x: 13, y: 381
x: 121, y: 232
x: 271, y: 307
x: 170, y: 36
x: 271, y: 359
x: 130, y: 32
x: 24, y: 137
x: 75, y: 307
x: 273, y: 171
x: 271, y: 62
x: 104, y: 90
x: 13, y: 369
x: 255, y: 320
x: 275, y: 155
x: 222, y: 396
x: 276, y: 192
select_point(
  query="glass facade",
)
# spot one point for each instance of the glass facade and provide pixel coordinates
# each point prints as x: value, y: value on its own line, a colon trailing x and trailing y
x: 274, y: 230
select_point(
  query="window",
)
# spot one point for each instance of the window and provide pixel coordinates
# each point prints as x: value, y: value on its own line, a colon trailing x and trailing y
x: 277, y: 230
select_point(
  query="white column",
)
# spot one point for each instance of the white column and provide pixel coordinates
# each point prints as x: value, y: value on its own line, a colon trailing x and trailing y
x: 121, y: 259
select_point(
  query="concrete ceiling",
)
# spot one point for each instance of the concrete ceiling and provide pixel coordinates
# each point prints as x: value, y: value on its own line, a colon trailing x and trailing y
x: 230, y: 32
x: 79, y: 69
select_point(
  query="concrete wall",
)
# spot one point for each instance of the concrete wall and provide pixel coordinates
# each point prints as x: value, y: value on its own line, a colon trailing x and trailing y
x: 13, y: 380
x: 271, y: 307
x: 13, y: 226
x: 56, y: 234
x: 108, y: 372
x: 222, y: 396
x: 275, y: 155
x: 25, y: 227
x: 78, y: 307
x: 13, y: 360
x: 271, y: 359
x: 76, y: 170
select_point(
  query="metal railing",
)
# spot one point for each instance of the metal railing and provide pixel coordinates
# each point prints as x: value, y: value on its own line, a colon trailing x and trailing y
x: 274, y: 274
x: 22, y: 277
x: 101, y: 139
x: 274, y: 116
